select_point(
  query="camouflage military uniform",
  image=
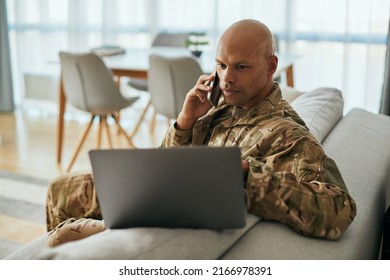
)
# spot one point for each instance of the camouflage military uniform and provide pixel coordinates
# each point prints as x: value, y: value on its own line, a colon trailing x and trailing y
x: 72, y: 209
x: 290, y: 178
x: 71, y: 196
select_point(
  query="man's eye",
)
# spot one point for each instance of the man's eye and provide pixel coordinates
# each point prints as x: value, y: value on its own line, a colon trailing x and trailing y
x: 222, y: 66
x: 242, y: 67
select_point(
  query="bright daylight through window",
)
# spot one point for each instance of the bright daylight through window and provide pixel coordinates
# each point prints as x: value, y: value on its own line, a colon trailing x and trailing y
x: 340, y: 43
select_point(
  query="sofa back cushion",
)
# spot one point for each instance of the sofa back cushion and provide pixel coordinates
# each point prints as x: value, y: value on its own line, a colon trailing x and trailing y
x: 321, y: 109
x: 289, y: 93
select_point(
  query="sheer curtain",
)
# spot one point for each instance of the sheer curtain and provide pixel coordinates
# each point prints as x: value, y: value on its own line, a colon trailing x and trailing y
x: 6, y: 92
x: 340, y: 43
x: 343, y: 44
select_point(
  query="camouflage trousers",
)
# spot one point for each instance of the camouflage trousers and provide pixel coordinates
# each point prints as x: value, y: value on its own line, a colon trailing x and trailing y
x: 72, y: 209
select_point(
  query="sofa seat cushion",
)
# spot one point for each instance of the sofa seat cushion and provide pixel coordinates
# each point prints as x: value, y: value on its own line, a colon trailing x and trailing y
x: 321, y: 109
x: 141, y: 243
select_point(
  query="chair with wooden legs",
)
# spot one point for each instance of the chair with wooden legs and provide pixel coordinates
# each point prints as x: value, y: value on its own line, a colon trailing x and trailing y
x: 169, y: 80
x: 162, y: 39
x: 89, y: 86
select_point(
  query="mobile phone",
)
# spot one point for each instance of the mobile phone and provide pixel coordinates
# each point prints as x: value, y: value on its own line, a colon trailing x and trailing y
x: 214, y: 95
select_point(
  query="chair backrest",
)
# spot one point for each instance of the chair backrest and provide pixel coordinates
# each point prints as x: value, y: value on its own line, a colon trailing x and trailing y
x: 165, y: 39
x: 276, y: 42
x: 169, y: 80
x: 88, y: 83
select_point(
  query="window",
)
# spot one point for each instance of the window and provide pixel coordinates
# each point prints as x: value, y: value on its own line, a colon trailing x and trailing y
x: 341, y: 43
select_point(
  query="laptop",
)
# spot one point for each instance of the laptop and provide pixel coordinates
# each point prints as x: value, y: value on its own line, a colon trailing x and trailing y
x: 186, y: 187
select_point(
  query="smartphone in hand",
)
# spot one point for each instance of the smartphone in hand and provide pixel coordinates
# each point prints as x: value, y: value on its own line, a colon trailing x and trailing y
x: 214, y: 95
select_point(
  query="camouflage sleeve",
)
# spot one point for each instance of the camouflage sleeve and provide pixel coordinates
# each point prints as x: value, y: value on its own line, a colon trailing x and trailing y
x: 309, y: 195
x: 175, y: 138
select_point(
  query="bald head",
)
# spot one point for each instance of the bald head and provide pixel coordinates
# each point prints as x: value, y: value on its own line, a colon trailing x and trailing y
x: 246, y: 63
x: 250, y: 35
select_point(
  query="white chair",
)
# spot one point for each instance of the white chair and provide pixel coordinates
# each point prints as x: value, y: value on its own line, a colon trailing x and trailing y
x: 276, y: 44
x: 162, y: 39
x: 169, y: 80
x: 89, y: 86
x: 165, y: 39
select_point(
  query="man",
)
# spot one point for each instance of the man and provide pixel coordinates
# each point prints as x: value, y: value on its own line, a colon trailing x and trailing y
x: 289, y: 178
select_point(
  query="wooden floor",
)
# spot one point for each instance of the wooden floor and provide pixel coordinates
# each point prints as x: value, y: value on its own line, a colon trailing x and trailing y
x: 28, y: 139
x: 28, y: 147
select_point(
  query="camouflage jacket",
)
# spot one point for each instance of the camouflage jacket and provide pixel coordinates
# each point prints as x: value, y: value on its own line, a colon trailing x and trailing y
x: 290, y: 178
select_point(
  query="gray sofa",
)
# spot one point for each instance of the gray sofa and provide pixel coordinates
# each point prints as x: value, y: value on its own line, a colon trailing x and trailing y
x: 357, y: 141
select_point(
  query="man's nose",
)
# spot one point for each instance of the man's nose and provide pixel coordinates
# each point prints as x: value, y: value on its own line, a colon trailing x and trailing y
x: 228, y: 76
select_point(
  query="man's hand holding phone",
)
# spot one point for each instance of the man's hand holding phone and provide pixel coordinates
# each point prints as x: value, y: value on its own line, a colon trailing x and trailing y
x: 196, y: 103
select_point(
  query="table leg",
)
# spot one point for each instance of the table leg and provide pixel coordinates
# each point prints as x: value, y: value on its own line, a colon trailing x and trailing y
x: 60, y: 129
x: 290, y: 76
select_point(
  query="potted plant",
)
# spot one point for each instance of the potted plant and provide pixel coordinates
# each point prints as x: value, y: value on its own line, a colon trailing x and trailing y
x: 194, y: 41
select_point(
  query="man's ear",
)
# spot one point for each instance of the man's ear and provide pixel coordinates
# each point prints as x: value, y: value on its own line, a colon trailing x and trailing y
x: 272, y: 64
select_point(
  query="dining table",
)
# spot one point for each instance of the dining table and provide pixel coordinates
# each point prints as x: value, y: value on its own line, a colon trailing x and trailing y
x: 134, y: 63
